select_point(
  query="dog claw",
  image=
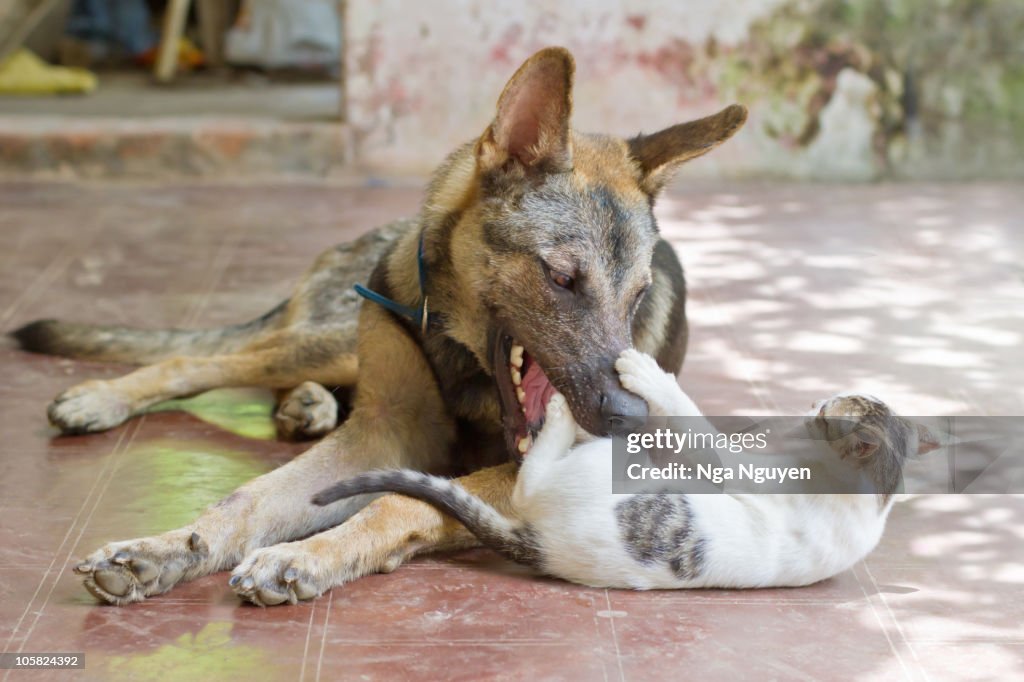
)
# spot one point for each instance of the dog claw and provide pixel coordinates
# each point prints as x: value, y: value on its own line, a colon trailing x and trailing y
x: 275, y: 575
x: 121, y: 558
x: 83, y: 568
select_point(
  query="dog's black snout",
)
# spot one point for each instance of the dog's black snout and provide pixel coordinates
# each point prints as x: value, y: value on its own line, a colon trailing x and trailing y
x: 622, y: 412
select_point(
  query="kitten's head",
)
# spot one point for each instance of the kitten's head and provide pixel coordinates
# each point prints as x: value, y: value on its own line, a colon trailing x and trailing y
x: 867, y: 434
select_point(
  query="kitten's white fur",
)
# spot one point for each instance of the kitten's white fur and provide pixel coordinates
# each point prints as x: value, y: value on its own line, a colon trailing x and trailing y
x: 564, y: 494
x: 569, y: 524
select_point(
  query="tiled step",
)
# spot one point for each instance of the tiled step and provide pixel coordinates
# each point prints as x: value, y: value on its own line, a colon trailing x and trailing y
x: 49, y: 146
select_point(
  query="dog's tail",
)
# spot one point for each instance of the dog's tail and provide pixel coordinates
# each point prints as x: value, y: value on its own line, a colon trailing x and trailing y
x: 137, y: 346
x: 510, y: 538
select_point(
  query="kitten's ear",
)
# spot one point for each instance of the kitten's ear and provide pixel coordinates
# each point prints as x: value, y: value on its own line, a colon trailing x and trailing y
x: 660, y: 153
x: 926, y: 440
x: 531, y: 126
x: 862, y: 444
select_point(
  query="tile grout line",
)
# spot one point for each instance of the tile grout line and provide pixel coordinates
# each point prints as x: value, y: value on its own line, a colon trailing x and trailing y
x: 895, y: 620
x: 54, y: 269
x: 224, y: 254
x: 615, y: 636
x: 323, y: 639
x: 881, y: 623
x: 309, y: 636
x: 221, y: 259
x: 85, y: 524
x: 67, y: 535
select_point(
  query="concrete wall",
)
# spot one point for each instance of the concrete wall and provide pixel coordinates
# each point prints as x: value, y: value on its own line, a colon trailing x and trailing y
x: 856, y: 89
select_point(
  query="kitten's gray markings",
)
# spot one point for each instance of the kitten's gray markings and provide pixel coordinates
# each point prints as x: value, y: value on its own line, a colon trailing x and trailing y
x: 659, y: 528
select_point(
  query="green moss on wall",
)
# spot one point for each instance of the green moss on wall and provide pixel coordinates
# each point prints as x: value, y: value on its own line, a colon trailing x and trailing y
x: 939, y: 67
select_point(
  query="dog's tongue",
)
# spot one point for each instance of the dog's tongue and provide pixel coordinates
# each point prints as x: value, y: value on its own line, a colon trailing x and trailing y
x: 538, y: 392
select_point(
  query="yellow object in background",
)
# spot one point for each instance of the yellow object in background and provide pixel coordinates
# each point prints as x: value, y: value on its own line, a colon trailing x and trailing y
x: 23, y: 73
x: 189, y: 56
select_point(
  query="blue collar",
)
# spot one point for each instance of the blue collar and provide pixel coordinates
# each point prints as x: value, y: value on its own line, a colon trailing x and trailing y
x: 420, y: 315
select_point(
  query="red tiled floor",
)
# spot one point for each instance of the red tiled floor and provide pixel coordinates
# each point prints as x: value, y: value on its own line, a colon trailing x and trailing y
x: 911, y: 292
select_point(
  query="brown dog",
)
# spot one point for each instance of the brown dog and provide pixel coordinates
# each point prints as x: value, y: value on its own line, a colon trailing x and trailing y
x: 534, y: 262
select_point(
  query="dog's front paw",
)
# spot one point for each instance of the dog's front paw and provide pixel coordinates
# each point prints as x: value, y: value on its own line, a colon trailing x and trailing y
x: 125, y: 572
x: 307, y: 411
x: 89, y: 407
x: 283, y: 573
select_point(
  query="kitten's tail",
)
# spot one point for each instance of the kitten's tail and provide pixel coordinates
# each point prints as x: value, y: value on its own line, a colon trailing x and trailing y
x: 510, y: 538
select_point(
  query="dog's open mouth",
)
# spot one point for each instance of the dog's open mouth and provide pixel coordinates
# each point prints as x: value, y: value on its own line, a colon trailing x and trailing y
x: 525, y: 392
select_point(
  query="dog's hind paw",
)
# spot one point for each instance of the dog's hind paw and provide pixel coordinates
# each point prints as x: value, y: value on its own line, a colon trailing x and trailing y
x: 284, y: 573
x: 307, y: 411
x: 126, y: 572
x: 89, y: 407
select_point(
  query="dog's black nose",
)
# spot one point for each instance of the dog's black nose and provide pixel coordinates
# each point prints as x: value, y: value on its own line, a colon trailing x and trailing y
x: 622, y: 412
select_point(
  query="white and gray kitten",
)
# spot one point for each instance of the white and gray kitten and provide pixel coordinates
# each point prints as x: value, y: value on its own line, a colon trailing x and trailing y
x: 569, y: 525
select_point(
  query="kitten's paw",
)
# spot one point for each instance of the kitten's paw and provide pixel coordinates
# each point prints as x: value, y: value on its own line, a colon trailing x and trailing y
x: 557, y: 407
x: 89, y: 407
x: 639, y: 373
x: 559, y: 430
x: 285, y: 573
x: 125, y: 572
x: 308, y: 411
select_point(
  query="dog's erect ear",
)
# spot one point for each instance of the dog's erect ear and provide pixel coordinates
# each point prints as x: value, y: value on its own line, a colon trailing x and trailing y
x: 532, y: 123
x: 658, y: 154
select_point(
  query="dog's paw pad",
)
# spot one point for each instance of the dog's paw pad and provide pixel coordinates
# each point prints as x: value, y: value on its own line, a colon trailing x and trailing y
x: 88, y: 408
x: 307, y: 411
x: 126, y: 572
x: 276, y: 575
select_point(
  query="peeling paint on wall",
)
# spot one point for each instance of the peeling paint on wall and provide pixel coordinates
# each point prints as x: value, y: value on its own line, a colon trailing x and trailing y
x: 853, y: 89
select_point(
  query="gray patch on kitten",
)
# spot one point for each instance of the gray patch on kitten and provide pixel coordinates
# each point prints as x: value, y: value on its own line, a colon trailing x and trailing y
x: 659, y: 528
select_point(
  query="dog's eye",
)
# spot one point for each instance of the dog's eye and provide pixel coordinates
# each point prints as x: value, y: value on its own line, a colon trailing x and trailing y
x: 640, y: 296
x: 561, y: 279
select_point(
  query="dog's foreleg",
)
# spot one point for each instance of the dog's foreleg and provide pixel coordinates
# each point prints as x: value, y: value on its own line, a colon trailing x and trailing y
x: 398, y: 420
x: 266, y: 510
x: 386, y: 533
x: 100, y: 405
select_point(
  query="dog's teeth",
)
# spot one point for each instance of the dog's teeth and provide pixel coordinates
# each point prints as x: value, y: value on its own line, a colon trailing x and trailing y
x: 517, y: 378
x: 516, y: 356
x: 520, y: 394
x: 524, y: 444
